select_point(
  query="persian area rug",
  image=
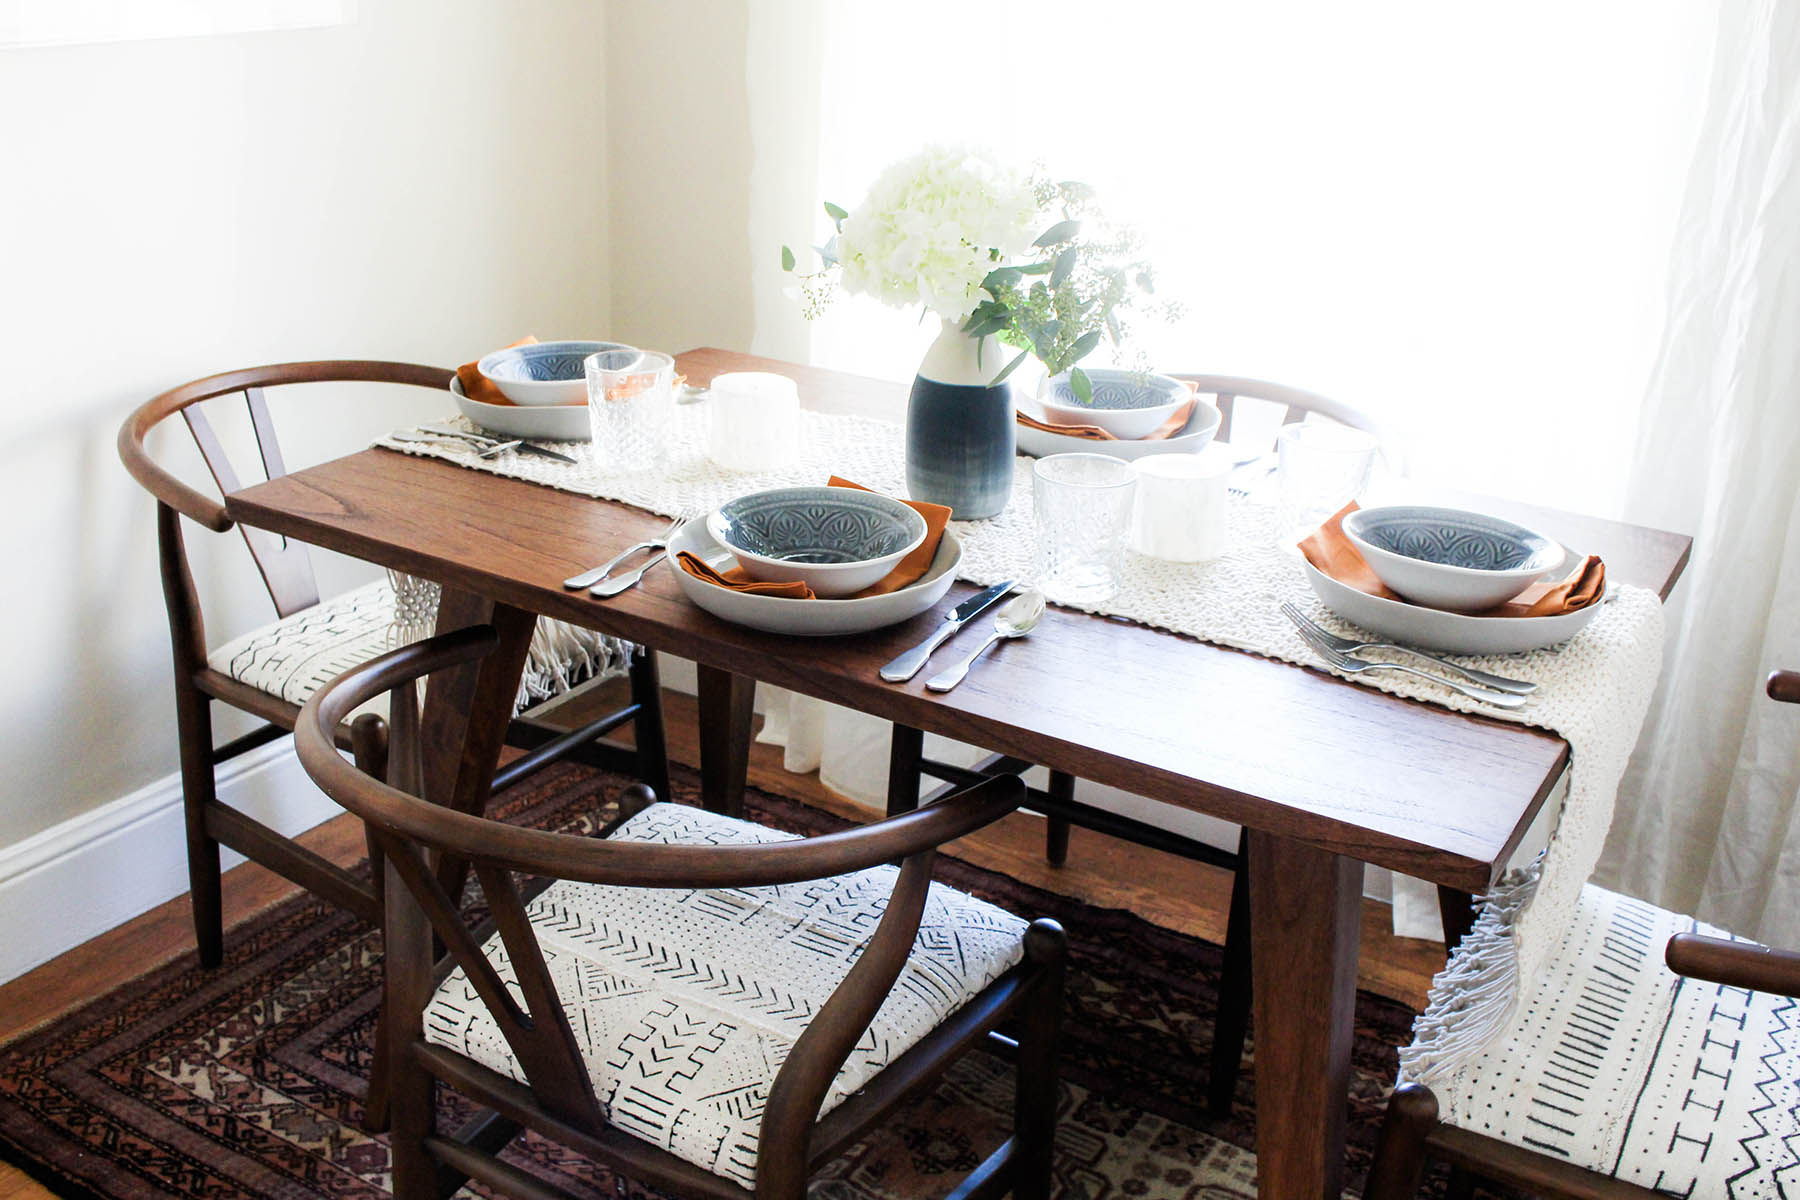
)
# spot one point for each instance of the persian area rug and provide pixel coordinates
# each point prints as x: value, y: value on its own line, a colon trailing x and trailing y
x: 247, y: 1080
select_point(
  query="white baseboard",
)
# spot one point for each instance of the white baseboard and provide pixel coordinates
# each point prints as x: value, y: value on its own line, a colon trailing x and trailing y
x: 78, y: 879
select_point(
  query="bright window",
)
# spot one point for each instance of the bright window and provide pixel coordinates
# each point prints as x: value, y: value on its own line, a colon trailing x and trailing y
x: 1454, y: 216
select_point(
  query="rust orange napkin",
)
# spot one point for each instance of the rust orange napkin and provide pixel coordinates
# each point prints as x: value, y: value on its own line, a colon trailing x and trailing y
x: 737, y: 581
x: 477, y: 386
x: 1330, y: 550
x: 909, y: 569
x: 1093, y: 433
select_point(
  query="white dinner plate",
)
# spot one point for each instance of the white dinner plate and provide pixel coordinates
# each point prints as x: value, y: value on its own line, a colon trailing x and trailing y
x: 1434, y: 629
x: 807, y: 618
x: 540, y: 422
x: 1202, y: 423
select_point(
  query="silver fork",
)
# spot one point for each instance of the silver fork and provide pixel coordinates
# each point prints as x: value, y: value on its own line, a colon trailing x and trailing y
x: 589, y: 578
x: 1342, y: 645
x: 1243, y: 478
x: 1355, y: 666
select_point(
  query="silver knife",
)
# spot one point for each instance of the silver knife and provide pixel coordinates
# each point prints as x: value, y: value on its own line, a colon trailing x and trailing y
x: 908, y: 664
x: 523, y: 447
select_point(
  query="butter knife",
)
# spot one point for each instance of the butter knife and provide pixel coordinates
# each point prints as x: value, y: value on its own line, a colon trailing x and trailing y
x: 523, y: 447
x: 907, y: 665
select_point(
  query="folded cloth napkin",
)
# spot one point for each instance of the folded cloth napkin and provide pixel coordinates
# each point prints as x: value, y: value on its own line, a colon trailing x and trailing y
x: 1331, y: 551
x: 737, y: 581
x: 477, y: 386
x: 910, y: 568
x: 1175, y: 424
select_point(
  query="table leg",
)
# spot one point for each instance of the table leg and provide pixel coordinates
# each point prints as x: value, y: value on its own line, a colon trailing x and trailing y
x: 1456, y: 909
x: 725, y: 712
x: 467, y: 709
x: 1306, y: 923
x: 905, y: 748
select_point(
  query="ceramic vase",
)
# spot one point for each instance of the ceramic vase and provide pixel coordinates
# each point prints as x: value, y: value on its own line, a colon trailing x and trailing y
x: 959, y: 427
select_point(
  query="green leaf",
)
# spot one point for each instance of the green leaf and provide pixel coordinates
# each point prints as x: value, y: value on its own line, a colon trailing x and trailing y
x: 1062, y: 231
x: 1082, y: 385
x: 1010, y: 367
x: 1001, y: 277
x: 1084, y: 345
x: 1065, y: 266
x: 836, y: 214
x: 787, y: 259
x: 1036, y: 268
x: 828, y: 252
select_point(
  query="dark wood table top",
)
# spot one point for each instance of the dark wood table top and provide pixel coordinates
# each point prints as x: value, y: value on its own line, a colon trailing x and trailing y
x: 1279, y: 748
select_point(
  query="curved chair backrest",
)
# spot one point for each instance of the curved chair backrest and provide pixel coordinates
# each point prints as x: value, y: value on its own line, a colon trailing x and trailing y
x: 1297, y: 404
x: 285, y: 566
x: 411, y: 832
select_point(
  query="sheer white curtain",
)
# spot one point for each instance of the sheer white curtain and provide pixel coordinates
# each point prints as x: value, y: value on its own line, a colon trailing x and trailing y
x: 1455, y: 217
x: 1714, y: 823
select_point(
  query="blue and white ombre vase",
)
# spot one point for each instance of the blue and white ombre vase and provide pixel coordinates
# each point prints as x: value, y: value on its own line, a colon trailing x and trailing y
x: 959, y: 427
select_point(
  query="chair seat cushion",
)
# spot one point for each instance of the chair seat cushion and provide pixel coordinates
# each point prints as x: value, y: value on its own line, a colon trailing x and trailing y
x: 685, y: 1003
x: 1616, y: 1064
x: 295, y: 656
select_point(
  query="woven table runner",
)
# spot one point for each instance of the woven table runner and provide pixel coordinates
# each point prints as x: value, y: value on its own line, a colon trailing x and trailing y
x: 1593, y: 689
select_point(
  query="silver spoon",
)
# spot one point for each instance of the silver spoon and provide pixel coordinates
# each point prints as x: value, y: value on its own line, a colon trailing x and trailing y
x: 1018, y: 618
x: 482, y: 450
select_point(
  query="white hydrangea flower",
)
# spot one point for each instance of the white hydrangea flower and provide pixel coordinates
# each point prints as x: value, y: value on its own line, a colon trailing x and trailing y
x: 929, y: 230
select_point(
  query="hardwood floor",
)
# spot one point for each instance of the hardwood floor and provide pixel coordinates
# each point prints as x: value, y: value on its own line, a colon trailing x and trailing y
x: 1171, y: 892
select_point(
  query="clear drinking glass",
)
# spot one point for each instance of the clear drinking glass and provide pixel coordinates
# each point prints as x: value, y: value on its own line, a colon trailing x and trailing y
x: 631, y: 400
x: 1320, y: 467
x: 1082, y: 503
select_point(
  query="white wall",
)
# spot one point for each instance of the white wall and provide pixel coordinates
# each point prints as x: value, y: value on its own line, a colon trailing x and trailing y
x: 421, y: 184
x: 713, y: 141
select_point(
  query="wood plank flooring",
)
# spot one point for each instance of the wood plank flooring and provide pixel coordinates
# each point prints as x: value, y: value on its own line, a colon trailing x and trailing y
x: 1176, y: 894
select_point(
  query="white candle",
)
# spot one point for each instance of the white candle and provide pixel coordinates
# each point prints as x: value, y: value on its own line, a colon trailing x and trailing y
x: 1180, y: 511
x: 755, y: 421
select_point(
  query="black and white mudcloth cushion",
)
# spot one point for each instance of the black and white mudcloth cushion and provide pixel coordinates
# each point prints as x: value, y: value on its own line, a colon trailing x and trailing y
x: 685, y: 1003
x: 1621, y: 1066
x: 298, y: 654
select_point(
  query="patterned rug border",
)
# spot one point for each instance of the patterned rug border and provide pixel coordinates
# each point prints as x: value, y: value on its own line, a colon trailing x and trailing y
x: 1177, y: 962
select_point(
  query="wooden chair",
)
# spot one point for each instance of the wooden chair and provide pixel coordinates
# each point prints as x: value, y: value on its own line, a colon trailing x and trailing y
x: 907, y: 764
x: 784, y: 1060
x: 271, y: 672
x: 1623, y: 1081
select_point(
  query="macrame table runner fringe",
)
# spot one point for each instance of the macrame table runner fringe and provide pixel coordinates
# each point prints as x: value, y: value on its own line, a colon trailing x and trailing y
x: 1593, y: 689
x: 560, y: 657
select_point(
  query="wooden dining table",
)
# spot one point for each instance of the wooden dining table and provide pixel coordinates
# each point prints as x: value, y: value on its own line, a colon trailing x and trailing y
x: 1324, y: 775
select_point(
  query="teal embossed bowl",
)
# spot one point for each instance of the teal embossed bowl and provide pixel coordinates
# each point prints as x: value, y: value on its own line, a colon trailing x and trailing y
x: 837, y: 541
x: 1450, y: 558
x: 545, y: 372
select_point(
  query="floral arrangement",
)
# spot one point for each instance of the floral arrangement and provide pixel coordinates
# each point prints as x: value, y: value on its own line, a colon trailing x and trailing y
x: 991, y: 249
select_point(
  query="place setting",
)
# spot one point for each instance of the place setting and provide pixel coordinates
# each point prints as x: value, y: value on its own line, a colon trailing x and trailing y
x: 1129, y: 415
x: 816, y: 561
